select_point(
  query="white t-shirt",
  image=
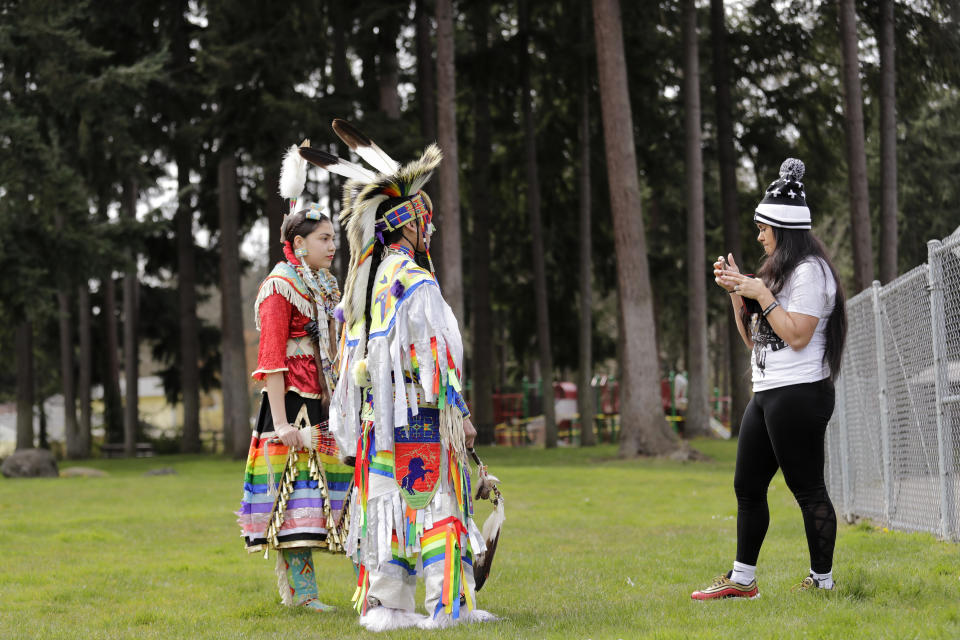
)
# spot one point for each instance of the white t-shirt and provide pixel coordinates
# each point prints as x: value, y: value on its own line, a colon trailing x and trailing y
x: 810, y: 290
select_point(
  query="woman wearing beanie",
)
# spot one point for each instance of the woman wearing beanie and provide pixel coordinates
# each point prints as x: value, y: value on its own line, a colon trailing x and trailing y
x: 792, y: 317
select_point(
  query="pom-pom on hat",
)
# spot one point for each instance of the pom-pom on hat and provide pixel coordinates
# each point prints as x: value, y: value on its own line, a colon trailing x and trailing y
x: 785, y: 202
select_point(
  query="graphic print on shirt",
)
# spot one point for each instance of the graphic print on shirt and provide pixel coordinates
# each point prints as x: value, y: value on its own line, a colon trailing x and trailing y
x: 763, y: 336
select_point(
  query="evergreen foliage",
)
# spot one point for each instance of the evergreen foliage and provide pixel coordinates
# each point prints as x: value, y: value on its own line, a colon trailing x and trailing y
x: 95, y: 93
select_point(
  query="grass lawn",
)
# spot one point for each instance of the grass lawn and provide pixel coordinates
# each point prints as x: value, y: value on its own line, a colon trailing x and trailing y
x: 593, y: 547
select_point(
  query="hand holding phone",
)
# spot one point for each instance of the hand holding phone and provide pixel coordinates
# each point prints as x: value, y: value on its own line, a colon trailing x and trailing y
x: 720, y: 269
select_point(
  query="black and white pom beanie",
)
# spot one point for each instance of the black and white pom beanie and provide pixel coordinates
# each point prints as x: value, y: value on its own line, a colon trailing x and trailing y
x: 785, y: 202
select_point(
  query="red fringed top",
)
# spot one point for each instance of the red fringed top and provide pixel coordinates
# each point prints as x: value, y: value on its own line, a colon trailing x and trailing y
x: 284, y: 345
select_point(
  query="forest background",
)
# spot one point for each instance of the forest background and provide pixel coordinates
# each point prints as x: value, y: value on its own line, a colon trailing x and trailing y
x: 598, y: 158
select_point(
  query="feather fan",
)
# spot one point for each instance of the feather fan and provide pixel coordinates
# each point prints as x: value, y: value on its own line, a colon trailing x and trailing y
x: 491, y: 528
x: 491, y: 535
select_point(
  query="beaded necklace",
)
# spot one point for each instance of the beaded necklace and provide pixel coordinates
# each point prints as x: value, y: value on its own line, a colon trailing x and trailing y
x: 398, y: 249
x: 325, y: 294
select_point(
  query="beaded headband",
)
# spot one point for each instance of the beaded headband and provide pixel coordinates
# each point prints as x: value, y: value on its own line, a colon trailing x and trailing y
x: 403, y: 213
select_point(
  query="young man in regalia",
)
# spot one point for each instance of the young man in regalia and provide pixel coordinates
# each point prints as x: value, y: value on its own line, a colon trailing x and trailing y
x: 398, y: 410
x: 294, y: 483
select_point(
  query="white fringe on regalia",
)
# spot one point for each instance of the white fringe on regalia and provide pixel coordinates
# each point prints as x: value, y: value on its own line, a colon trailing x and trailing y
x: 410, y: 367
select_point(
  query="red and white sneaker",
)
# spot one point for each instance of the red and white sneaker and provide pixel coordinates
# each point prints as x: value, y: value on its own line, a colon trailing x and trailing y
x: 724, y: 587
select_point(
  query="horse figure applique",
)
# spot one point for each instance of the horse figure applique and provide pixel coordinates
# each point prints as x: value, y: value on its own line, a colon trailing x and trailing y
x: 415, y: 471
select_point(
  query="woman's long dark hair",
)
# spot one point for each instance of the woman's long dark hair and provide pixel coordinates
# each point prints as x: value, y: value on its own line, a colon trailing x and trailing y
x: 298, y: 224
x: 793, y: 247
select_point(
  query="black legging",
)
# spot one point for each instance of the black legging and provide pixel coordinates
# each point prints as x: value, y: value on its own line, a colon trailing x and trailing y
x: 784, y: 427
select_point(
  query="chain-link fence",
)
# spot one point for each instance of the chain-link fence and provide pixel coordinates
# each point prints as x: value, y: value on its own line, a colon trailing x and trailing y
x: 893, y: 445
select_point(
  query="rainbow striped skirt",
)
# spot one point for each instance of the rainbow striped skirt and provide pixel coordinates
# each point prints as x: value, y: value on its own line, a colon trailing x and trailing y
x: 317, y: 485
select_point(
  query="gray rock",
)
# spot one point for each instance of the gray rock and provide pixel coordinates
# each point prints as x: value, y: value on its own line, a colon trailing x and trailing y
x: 30, y: 463
x: 161, y: 471
x: 83, y: 472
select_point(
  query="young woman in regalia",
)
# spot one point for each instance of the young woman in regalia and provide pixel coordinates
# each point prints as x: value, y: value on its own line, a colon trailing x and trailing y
x: 294, y: 484
x: 398, y: 411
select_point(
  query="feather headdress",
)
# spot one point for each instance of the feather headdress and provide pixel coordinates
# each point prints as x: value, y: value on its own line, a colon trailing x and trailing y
x: 293, y: 174
x: 362, y: 195
x: 293, y: 180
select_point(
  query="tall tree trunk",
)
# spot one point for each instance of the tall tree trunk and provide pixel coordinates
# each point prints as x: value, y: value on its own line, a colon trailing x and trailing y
x: 182, y: 150
x: 131, y: 355
x: 42, y: 441
x: 85, y: 366
x: 482, y: 329
x: 236, y: 403
x: 697, y: 420
x: 856, y: 150
x: 275, y: 209
x: 67, y: 378
x: 739, y: 361
x: 112, y: 406
x: 425, y: 72
x: 342, y: 88
x: 341, y: 21
x: 23, y: 353
x: 888, y: 145
x: 504, y: 352
x: 229, y: 292
x: 643, y: 428
x: 536, y: 230
x: 341, y: 260
x: 388, y: 75
x: 189, y: 329
x: 364, y: 45
x: 448, y: 211
x: 586, y: 399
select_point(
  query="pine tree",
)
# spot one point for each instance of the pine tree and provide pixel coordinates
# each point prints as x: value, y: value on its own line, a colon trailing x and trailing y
x: 643, y: 428
x: 698, y: 411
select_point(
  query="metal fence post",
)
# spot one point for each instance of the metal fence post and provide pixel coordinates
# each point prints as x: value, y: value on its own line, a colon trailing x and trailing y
x: 882, y: 399
x: 944, y: 433
x: 844, y: 451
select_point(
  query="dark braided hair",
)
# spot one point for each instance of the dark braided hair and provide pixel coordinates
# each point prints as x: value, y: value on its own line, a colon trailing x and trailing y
x: 793, y: 247
x: 389, y: 237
